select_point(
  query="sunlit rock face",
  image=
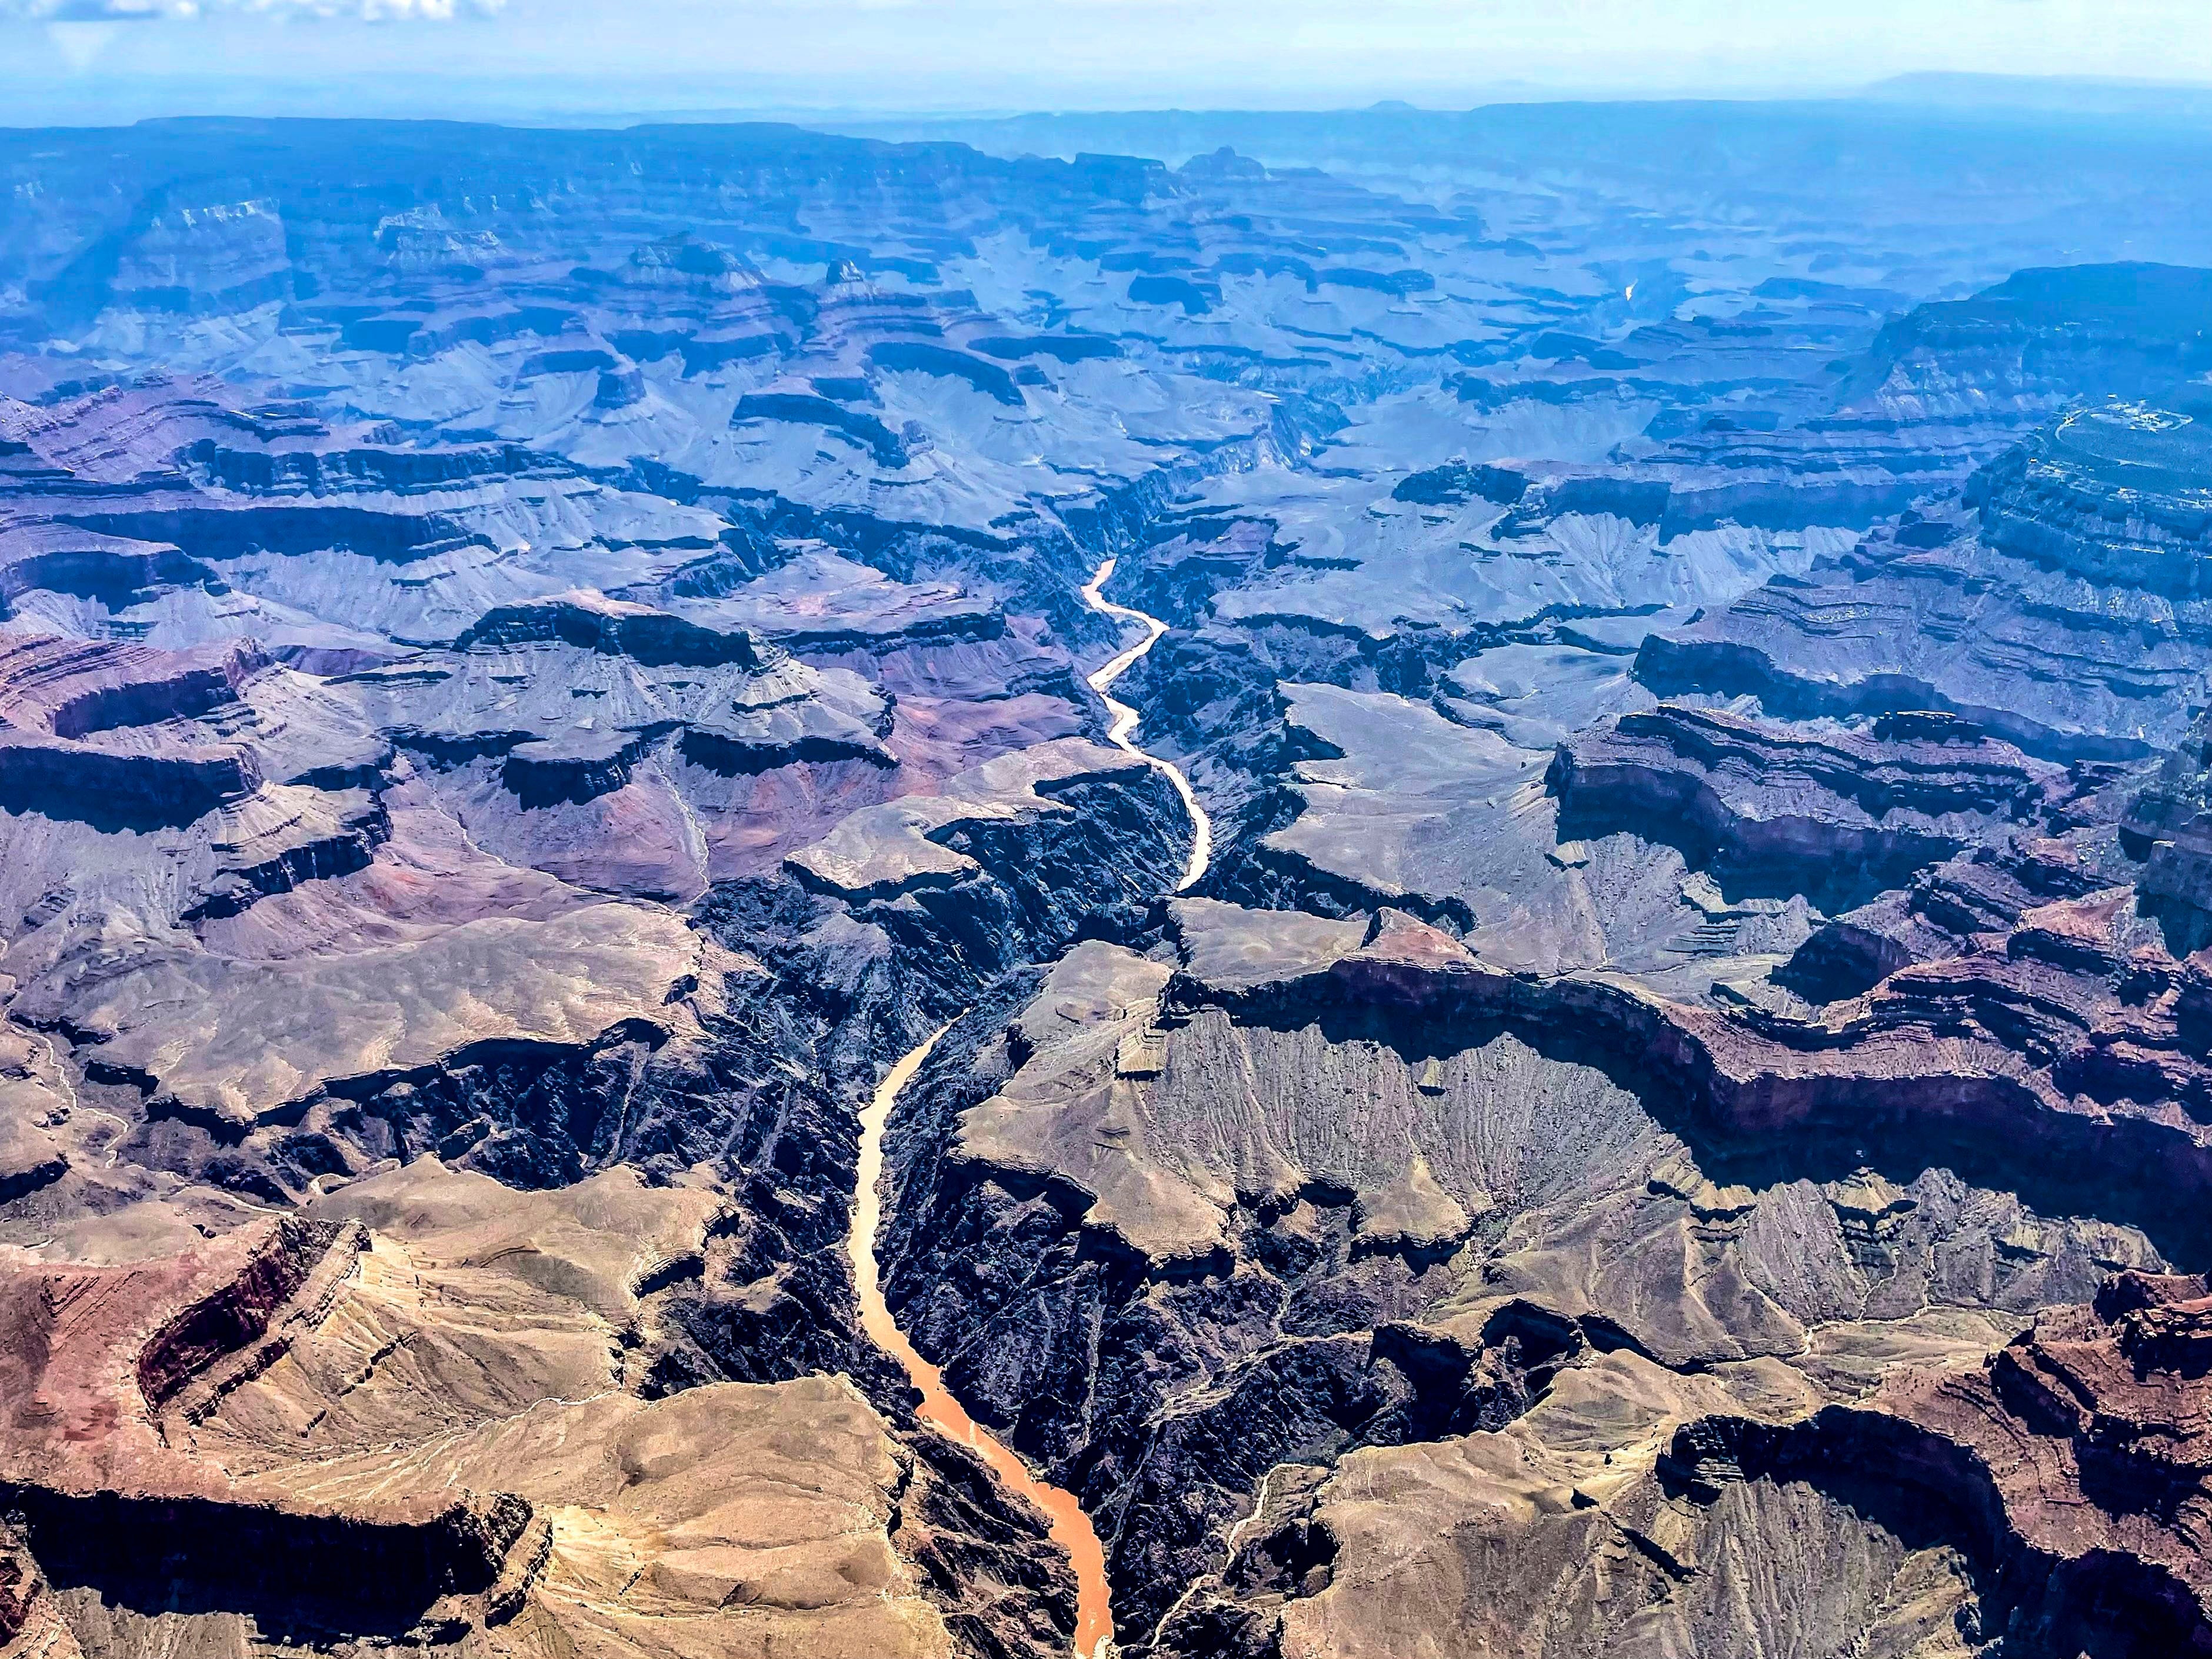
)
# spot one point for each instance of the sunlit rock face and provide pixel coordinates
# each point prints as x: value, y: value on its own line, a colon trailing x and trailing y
x: 535, y: 665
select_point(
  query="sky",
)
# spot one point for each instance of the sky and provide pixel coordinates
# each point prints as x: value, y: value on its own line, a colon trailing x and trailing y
x: 119, y: 60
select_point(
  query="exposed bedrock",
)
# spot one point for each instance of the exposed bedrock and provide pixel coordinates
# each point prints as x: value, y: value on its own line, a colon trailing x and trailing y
x: 361, y: 470
x: 590, y: 621
x: 283, y: 839
x: 1455, y: 483
x: 2068, y: 1466
x: 2055, y: 602
x: 2057, y: 1066
x: 237, y: 1312
x: 539, y: 1051
x: 370, y: 1021
x: 1830, y: 470
x: 319, y: 1576
x: 919, y: 355
x: 615, y: 744
x: 527, y: 679
x: 248, y: 778
x: 1819, y: 813
x: 73, y: 688
x: 743, y: 750
x: 1939, y: 915
x: 576, y: 767
x: 1289, y: 646
x: 115, y: 787
x: 349, y: 1453
x: 1006, y: 866
x: 2044, y: 335
x: 2115, y: 496
x: 1553, y: 1538
x: 108, y: 570
x: 1318, y: 1185
x: 887, y: 448
x: 843, y: 977
x: 116, y: 1519
x: 2168, y: 825
x: 217, y: 533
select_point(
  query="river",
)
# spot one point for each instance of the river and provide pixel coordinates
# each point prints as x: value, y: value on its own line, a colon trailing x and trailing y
x: 1122, y: 730
x: 1071, y: 1527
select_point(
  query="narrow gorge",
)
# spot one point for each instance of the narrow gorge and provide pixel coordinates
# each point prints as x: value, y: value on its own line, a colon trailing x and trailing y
x: 1071, y: 1527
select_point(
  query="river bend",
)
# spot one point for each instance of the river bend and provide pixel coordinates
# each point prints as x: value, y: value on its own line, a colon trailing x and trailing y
x: 1071, y: 1527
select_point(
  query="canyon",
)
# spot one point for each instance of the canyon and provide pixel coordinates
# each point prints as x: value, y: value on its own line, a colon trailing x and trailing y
x: 1194, y: 887
x: 1071, y: 1527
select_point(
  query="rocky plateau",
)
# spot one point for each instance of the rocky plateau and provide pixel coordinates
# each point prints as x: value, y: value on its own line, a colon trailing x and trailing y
x: 1501, y: 828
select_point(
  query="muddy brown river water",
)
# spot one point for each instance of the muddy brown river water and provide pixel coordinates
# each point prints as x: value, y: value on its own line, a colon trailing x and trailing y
x: 1071, y: 1527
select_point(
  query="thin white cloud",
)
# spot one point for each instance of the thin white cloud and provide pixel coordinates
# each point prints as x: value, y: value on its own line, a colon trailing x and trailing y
x: 69, y: 12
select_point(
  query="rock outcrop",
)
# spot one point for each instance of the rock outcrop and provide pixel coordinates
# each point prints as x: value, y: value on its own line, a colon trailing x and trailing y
x: 1818, y: 811
x: 2053, y: 602
x: 2064, y: 1468
x: 327, y: 1439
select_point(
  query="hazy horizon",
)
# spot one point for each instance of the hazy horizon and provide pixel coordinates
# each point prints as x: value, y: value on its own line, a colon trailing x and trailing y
x: 99, y: 61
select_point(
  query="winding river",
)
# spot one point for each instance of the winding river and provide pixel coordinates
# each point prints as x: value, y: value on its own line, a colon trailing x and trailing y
x: 1122, y: 732
x: 1071, y: 1527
